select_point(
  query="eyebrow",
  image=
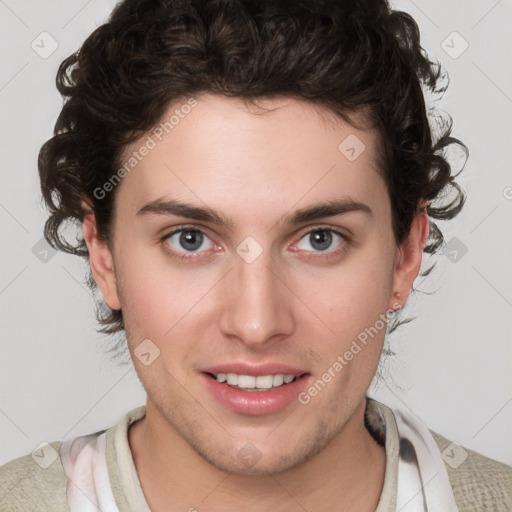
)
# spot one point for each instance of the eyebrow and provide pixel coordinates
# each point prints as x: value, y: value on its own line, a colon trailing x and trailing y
x: 325, y: 209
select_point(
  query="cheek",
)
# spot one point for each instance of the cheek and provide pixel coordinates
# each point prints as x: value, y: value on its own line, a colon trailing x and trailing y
x: 159, y: 298
x: 351, y: 303
x: 149, y: 294
x: 352, y: 295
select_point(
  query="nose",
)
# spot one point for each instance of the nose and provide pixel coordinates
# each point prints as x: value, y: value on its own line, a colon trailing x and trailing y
x: 257, y: 305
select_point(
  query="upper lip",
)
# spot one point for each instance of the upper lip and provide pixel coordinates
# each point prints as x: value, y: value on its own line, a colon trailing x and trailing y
x: 254, y: 370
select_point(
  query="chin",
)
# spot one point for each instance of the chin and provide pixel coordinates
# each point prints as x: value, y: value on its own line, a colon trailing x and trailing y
x: 256, y: 464
x: 261, y: 458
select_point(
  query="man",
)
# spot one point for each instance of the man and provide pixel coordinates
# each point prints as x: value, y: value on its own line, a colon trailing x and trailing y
x: 256, y: 184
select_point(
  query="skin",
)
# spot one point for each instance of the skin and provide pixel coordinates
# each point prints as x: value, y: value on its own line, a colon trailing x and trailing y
x: 283, y: 307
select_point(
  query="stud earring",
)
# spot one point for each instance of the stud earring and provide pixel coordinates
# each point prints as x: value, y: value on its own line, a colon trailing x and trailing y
x: 397, y: 306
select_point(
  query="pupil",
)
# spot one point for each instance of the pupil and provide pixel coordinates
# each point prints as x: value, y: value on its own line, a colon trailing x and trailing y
x: 322, y: 239
x: 191, y: 237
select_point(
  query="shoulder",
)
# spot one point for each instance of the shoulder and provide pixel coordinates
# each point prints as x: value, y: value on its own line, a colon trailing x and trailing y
x: 478, y: 482
x: 34, y: 482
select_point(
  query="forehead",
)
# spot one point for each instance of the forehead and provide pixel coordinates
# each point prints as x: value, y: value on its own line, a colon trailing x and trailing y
x: 227, y: 153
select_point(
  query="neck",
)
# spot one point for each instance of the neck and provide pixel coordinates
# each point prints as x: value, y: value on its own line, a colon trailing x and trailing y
x: 347, y: 474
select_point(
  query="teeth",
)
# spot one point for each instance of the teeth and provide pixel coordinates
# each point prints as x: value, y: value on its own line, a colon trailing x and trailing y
x: 232, y: 379
x: 263, y: 381
x: 246, y: 381
x: 277, y: 380
x: 251, y: 382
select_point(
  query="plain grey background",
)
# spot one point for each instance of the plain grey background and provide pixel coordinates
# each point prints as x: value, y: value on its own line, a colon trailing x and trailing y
x: 453, y: 363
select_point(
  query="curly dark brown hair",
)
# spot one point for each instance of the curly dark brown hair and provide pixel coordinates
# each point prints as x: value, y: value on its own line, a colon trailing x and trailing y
x: 347, y: 55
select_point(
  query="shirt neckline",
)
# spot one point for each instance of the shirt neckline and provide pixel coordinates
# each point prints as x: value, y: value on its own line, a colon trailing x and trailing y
x: 127, y: 489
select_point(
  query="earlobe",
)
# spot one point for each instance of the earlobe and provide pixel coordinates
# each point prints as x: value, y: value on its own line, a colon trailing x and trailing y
x: 408, y: 258
x: 100, y: 260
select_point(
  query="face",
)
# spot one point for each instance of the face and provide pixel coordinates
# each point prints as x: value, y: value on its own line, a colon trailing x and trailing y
x: 269, y: 291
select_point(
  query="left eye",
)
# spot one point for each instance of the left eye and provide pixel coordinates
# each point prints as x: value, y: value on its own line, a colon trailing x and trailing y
x: 321, y: 239
x: 189, y: 239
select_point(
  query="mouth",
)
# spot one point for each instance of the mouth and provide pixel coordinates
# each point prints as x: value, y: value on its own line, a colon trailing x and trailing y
x: 262, y: 393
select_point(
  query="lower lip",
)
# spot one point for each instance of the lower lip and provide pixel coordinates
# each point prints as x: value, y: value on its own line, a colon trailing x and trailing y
x: 255, y: 402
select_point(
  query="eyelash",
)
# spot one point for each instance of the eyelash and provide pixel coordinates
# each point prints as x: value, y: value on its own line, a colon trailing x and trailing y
x: 325, y: 256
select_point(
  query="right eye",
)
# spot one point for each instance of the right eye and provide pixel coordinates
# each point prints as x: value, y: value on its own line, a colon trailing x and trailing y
x: 186, y: 243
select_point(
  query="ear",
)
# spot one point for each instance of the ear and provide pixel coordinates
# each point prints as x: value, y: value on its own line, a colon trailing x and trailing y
x: 100, y: 259
x: 409, y: 255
